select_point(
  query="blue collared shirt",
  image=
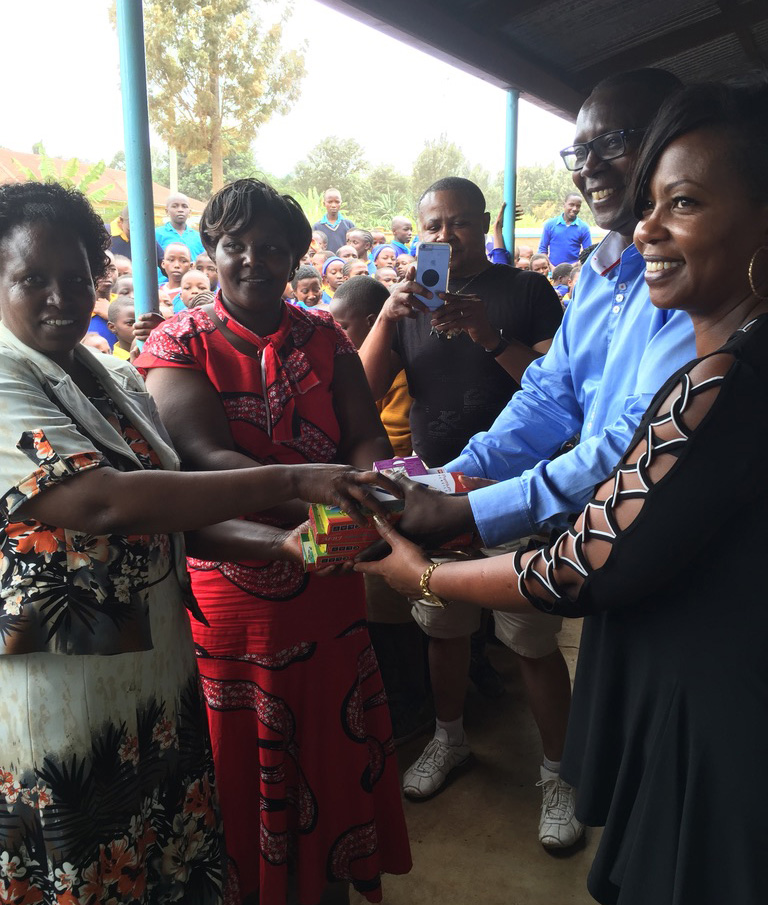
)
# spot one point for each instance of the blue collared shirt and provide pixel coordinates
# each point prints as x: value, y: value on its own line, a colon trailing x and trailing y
x: 609, y: 357
x: 166, y: 234
x: 562, y: 241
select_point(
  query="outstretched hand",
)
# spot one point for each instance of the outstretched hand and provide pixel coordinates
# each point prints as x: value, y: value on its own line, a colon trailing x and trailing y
x: 404, y: 566
x: 343, y: 486
x: 145, y: 324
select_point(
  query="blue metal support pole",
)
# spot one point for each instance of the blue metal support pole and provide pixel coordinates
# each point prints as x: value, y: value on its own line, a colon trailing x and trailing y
x: 133, y: 84
x: 510, y: 170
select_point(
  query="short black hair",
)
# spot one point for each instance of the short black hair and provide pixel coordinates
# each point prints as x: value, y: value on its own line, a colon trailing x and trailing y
x: 116, y: 306
x: 561, y: 272
x: 461, y: 186
x: 736, y: 109
x: 23, y: 203
x: 362, y: 294
x: 241, y: 203
x: 657, y: 81
x: 349, y: 264
x: 305, y: 272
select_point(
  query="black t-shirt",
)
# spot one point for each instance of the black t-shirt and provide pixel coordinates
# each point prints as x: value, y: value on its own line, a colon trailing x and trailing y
x: 458, y: 389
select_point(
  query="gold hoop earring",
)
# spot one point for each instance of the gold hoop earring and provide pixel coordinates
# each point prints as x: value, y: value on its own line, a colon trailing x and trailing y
x: 751, y: 277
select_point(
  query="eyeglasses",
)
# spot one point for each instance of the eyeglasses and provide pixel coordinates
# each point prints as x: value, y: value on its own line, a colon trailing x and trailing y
x: 607, y: 146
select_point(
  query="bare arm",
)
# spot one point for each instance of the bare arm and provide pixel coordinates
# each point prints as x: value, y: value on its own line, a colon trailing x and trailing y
x: 381, y: 364
x: 363, y: 438
x: 103, y: 501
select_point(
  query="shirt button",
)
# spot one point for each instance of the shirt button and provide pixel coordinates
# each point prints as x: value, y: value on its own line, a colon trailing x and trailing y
x: 622, y: 285
x: 619, y: 298
x: 616, y: 309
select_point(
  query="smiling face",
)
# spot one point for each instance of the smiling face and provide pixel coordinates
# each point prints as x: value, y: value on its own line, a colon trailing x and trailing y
x: 309, y: 291
x: 453, y: 218
x: 46, y: 292
x: 254, y: 265
x: 604, y: 183
x: 700, y: 227
x: 571, y: 208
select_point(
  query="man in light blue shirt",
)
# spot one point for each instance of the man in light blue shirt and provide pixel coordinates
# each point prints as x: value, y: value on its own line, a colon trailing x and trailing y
x: 610, y: 355
x: 564, y: 237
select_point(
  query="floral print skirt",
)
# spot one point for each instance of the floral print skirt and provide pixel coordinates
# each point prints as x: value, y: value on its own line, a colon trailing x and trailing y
x: 106, y: 776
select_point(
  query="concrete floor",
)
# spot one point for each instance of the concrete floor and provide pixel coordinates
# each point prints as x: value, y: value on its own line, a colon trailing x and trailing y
x: 476, y: 842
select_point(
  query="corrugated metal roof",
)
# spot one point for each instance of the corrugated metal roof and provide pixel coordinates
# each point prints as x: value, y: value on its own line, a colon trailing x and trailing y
x: 554, y: 51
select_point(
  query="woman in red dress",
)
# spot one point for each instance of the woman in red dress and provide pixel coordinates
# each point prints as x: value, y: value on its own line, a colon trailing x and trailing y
x: 299, y: 722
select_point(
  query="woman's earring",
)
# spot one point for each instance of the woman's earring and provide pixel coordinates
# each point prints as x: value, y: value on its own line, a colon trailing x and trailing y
x: 751, y: 276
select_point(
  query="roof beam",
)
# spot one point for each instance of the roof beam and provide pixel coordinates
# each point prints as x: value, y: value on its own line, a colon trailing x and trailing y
x: 671, y: 43
x: 741, y: 29
x: 455, y: 42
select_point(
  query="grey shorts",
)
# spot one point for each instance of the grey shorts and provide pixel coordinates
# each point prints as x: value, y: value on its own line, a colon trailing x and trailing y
x: 530, y: 634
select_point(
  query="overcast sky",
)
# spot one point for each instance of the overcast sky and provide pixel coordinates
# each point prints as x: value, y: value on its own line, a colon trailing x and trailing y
x: 63, y: 87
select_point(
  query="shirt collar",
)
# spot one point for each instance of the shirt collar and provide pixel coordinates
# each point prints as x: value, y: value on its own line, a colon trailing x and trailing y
x: 608, y: 254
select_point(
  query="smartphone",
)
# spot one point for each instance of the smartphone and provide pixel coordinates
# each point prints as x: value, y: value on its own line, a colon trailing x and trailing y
x: 433, y: 265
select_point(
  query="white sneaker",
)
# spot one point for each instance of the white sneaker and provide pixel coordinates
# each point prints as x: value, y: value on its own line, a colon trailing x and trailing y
x: 558, y: 826
x: 428, y: 774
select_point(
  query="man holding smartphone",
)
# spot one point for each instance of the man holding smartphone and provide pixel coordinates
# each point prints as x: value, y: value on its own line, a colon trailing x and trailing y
x: 463, y: 362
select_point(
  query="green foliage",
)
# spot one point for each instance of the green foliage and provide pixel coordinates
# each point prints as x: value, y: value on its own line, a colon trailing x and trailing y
x: 216, y: 72
x: 541, y: 191
x: 438, y: 159
x: 311, y: 202
x: 195, y: 179
x: 68, y: 175
x: 334, y: 163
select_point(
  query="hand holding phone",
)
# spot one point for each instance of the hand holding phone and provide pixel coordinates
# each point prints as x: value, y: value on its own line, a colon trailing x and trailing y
x: 433, y: 265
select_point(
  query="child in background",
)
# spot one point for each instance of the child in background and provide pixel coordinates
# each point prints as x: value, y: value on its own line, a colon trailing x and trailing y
x: 560, y: 277
x: 319, y: 241
x: 319, y: 258
x: 387, y: 276
x: 192, y: 283
x: 176, y: 262
x: 573, y: 279
x: 362, y: 241
x: 346, y: 253
x: 164, y: 298
x: 384, y: 256
x: 402, y: 263
x: 121, y: 318
x: 540, y: 264
x: 123, y: 286
x: 333, y: 277
x: 104, y: 288
x: 202, y: 298
x: 354, y: 268
x: 124, y: 266
x: 396, y: 638
x: 307, y: 287
x: 379, y: 237
x: 96, y: 341
x: 203, y: 262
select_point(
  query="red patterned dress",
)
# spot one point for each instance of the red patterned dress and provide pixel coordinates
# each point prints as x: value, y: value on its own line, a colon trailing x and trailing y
x: 299, y: 721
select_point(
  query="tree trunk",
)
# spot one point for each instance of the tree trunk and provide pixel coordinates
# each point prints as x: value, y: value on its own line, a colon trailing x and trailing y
x: 217, y: 160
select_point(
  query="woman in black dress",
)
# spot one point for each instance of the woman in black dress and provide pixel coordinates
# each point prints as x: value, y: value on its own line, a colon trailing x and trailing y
x: 668, y: 733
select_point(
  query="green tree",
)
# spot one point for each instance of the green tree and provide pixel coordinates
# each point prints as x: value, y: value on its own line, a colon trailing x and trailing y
x: 68, y: 174
x: 438, y: 159
x: 333, y: 163
x: 216, y: 73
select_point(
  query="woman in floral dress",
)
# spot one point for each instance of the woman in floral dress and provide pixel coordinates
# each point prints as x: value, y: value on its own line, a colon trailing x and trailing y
x: 106, y: 782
